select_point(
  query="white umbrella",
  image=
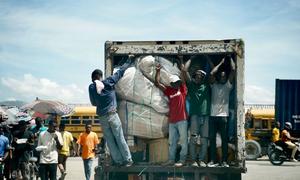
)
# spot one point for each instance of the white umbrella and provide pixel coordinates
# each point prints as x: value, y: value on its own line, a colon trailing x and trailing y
x: 49, y: 107
x: 14, y: 116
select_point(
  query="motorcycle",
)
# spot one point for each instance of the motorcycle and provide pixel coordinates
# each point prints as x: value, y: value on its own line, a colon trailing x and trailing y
x: 30, y: 167
x: 1, y: 169
x: 279, y: 152
x: 33, y: 167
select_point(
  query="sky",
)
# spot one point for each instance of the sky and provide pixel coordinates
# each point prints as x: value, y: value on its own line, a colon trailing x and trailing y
x: 48, y: 49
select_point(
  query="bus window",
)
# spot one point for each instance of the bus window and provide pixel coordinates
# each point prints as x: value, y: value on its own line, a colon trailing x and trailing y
x: 257, y: 124
x: 65, y: 120
x: 75, y: 120
x: 265, y: 124
x: 86, y: 119
x: 96, y: 120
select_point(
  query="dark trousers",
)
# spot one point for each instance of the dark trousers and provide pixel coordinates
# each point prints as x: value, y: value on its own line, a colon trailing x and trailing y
x: 218, y: 124
x: 48, y: 171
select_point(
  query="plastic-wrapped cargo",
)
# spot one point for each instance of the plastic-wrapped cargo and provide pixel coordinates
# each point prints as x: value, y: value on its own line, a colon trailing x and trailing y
x: 142, y: 121
x: 169, y: 72
x: 135, y: 87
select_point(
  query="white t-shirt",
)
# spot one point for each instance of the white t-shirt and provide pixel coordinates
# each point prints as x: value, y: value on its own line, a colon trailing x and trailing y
x: 220, y: 99
x: 50, y: 154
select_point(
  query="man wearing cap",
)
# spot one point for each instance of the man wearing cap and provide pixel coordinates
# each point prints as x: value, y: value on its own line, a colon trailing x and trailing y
x: 199, y: 111
x: 176, y: 94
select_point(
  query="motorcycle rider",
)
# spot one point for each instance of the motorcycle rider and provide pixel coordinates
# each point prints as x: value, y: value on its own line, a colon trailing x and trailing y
x: 287, y: 139
x: 276, y: 132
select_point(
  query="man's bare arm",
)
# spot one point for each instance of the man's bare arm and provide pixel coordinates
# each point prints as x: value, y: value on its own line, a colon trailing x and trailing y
x: 186, y: 70
x: 157, y: 79
x: 232, y: 72
x: 215, y: 70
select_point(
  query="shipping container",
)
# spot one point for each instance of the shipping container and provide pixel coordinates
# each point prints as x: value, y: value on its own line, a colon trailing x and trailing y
x: 287, y: 104
x: 215, y: 50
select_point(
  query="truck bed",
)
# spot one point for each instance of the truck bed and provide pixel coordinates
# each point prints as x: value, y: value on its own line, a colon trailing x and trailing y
x: 163, y: 172
x: 115, y: 51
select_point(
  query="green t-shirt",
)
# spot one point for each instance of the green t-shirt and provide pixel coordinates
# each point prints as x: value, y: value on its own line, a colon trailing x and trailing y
x: 199, y: 98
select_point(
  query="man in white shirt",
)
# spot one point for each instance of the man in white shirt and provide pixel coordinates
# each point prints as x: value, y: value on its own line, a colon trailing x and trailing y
x: 49, y: 143
x: 221, y: 85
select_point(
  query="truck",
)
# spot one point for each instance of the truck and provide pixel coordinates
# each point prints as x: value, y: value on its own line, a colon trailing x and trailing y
x: 144, y: 168
x: 259, y: 122
x: 287, y: 104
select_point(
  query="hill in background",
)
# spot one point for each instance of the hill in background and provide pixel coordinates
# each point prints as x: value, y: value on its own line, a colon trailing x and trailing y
x: 12, y: 103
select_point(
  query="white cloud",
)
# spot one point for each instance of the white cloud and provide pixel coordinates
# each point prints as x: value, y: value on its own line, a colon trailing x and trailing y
x: 67, y: 36
x: 48, y: 35
x: 30, y: 87
x: 11, y: 99
x: 258, y: 95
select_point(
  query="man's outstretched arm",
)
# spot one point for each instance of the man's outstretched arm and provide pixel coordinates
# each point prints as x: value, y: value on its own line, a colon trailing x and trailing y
x: 119, y: 74
x: 157, y: 79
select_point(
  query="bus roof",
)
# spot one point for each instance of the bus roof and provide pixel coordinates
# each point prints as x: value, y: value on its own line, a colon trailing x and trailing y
x: 84, y: 110
x: 262, y: 111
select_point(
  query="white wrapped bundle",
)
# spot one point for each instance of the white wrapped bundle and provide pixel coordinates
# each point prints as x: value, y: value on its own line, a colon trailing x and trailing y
x: 169, y: 72
x: 142, y: 121
x: 135, y: 87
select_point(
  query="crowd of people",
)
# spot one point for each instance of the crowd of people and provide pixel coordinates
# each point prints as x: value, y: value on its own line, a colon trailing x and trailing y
x: 51, y: 146
x: 208, y: 93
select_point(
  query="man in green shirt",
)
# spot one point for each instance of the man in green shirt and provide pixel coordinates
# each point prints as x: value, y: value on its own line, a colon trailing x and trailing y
x: 199, y: 94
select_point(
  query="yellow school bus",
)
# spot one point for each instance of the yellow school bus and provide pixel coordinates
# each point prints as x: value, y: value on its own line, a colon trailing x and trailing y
x: 259, y: 120
x: 259, y: 117
x: 75, y: 123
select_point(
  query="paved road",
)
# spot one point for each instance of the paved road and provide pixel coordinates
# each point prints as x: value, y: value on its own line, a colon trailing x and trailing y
x: 257, y: 170
x: 262, y: 169
x: 75, y: 169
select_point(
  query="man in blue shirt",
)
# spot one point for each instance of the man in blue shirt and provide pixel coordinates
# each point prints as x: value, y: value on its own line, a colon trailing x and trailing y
x: 103, y: 95
x: 4, y: 145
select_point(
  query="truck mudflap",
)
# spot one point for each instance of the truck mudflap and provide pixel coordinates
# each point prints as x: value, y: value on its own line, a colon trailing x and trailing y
x: 153, y: 172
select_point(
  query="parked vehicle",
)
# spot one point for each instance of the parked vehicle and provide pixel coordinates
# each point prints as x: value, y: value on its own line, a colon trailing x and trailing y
x: 259, y: 119
x: 75, y: 123
x: 287, y: 104
x: 280, y: 153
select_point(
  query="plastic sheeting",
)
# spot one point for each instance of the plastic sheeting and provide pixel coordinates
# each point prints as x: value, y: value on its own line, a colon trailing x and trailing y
x: 144, y: 107
x: 142, y: 121
x: 169, y: 71
x: 135, y: 87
